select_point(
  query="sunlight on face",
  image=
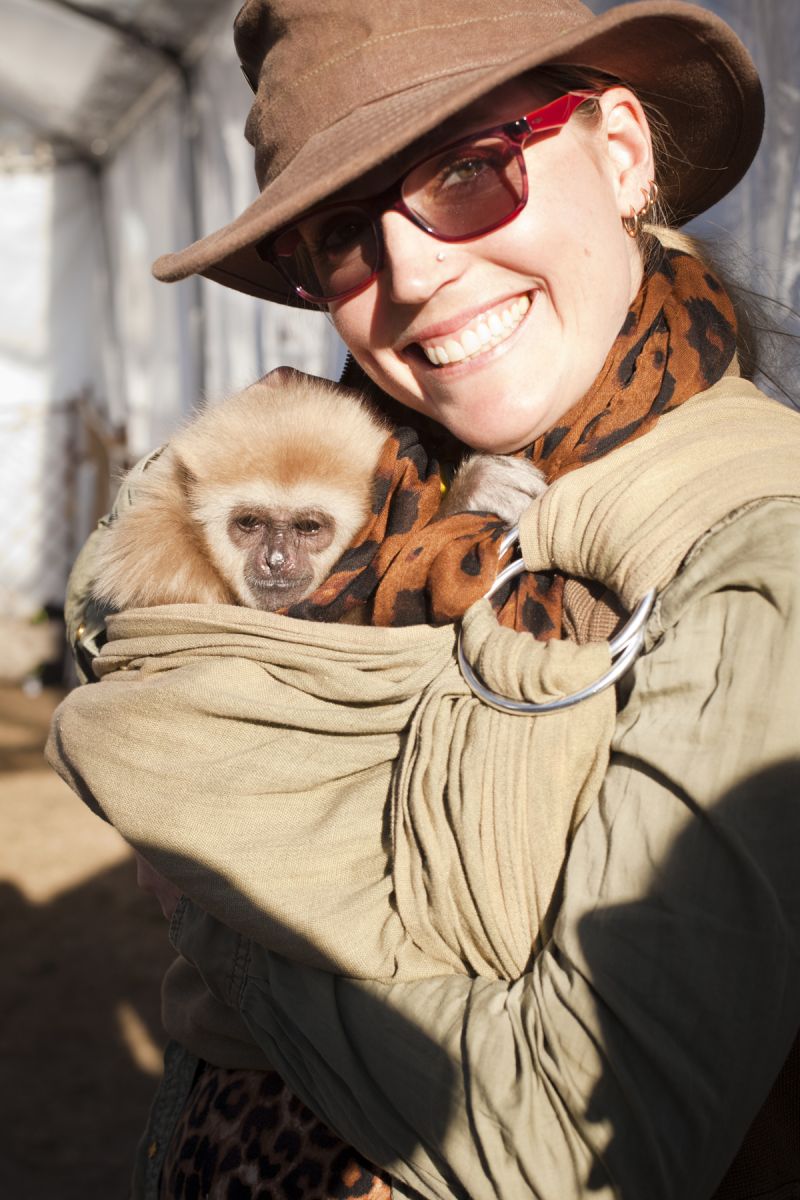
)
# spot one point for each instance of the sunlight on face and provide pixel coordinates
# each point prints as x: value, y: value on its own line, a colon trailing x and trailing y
x: 523, y: 318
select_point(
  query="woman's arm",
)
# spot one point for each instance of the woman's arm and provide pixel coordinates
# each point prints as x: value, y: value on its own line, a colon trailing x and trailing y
x: 632, y: 1058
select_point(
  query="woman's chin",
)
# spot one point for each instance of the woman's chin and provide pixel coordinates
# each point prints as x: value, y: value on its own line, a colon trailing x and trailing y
x: 497, y: 424
x: 497, y: 411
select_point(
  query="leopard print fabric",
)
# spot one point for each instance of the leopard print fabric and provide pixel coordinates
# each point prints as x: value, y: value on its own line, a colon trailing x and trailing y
x: 406, y: 568
x: 244, y: 1136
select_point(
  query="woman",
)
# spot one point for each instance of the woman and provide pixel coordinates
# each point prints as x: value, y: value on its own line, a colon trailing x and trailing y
x: 485, y: 290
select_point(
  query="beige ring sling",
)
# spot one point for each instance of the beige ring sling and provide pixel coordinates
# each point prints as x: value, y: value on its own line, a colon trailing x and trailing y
x: 339, y: 793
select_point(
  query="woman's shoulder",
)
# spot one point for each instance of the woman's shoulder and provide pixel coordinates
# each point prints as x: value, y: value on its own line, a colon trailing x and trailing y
x: 745, y: 449
x: 739, y: 405
x: 752, y: 552
x: 630, y: 519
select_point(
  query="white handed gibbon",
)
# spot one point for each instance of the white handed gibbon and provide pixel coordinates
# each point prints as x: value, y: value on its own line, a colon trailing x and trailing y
x: 256, y: 499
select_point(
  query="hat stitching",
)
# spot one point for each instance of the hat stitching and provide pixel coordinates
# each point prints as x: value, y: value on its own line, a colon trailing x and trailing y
x: 484, y: 65
x: 445, y: 73
x: 386, y: 37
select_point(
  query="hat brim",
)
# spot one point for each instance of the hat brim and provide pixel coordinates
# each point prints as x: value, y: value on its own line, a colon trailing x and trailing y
x: 680, y: 58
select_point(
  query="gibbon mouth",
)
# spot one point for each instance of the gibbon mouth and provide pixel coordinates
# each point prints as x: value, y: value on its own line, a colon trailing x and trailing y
x: 287, y: 585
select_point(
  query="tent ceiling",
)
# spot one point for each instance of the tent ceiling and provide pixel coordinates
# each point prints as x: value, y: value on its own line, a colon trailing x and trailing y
x: 71, y: 70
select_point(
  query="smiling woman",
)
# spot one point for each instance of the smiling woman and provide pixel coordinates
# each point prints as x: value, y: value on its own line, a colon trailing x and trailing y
x: 557, y: 955
x: 552, y: 285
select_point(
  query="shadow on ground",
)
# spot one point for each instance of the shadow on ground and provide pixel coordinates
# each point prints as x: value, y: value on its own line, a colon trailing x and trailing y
x: 82, y: 955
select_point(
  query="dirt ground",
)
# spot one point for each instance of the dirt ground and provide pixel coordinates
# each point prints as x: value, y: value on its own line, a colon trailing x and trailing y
x: 82, y: 955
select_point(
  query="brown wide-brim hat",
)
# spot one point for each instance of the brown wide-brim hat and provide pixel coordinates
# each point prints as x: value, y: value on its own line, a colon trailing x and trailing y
x: 341, y: 85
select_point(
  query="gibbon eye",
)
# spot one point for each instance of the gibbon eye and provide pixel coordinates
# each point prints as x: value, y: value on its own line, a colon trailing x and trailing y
x: 248, y: 522
x: 307, y: 526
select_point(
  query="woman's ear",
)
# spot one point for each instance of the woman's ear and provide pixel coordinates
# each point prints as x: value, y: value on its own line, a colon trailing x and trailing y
x: 628, y: 148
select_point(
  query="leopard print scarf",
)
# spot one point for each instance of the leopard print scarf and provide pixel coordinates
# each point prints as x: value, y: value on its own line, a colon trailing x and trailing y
x: 406, y: 568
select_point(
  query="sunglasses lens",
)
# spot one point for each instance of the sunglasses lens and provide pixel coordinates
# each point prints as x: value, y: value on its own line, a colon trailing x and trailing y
x: 462, y: 192
x: 328, y: 253
x: 467, y: 189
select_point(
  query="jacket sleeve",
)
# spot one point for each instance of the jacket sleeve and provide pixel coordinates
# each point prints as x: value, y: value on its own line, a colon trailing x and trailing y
x: 631, y: 1059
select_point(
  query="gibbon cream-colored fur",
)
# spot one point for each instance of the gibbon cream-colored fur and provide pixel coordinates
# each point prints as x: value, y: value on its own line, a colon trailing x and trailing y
x: 286, y: 441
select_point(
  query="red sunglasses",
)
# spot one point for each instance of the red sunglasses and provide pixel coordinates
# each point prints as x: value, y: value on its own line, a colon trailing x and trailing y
x: 463, y: 191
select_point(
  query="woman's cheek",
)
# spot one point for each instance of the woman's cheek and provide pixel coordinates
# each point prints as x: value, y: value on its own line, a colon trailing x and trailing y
x: 359, y: 327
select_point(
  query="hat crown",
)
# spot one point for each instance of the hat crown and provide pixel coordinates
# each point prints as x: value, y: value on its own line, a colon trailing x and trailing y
x: 313, y: 62
x: 344, y: 85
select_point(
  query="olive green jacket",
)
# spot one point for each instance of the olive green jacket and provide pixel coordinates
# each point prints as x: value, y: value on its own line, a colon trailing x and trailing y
x: 632, y: 1057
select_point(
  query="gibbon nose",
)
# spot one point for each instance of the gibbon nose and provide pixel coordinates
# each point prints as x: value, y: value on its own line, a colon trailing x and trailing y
x: 276, y: 558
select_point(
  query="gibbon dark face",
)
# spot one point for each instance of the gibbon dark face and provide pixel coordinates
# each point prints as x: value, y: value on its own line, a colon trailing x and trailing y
x: 281, y: 549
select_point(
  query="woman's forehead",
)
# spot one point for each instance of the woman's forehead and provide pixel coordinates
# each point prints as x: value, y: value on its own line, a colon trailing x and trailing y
x: 504, y: 103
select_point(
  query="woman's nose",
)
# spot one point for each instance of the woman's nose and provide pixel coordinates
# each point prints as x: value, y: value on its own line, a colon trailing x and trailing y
x: 415, y: 264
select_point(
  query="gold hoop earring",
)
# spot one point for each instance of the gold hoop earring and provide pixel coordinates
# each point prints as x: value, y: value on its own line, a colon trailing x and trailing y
x: 632, y: 224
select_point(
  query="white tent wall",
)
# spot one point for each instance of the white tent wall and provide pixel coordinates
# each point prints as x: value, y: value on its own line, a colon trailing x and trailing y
x: 243, y: 337
x: 762, y: 215
x: 181, y: 343
x: 83, y: 317
x: 49, y: 257
x: 48, y: 323
x: 757, y: 226
x: 147, y: 207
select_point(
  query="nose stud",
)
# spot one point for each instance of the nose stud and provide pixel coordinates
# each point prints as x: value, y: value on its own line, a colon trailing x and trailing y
x: 440, y: 257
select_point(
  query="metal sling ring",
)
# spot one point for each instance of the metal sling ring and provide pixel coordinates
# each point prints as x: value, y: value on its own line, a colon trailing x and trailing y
x: 624, y: 647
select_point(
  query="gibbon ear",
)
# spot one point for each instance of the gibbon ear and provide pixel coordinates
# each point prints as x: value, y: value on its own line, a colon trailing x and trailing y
x: 184, y: 476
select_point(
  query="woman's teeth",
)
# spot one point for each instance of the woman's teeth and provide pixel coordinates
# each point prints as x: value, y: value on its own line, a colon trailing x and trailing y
x: 484, y: 333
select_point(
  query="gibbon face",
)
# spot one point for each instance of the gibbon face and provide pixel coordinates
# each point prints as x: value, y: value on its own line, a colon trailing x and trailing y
x: 283, y: 552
